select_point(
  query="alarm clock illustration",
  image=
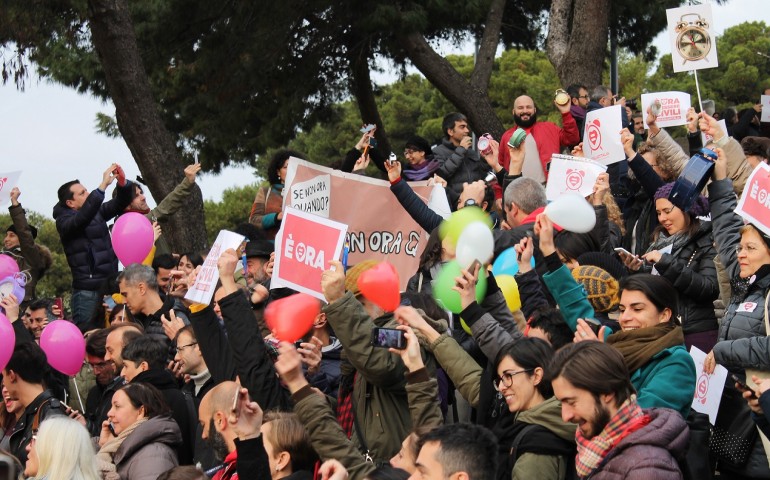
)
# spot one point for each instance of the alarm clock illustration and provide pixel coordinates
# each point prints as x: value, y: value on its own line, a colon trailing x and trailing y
x: 13, y: 284
x: 693, y: 41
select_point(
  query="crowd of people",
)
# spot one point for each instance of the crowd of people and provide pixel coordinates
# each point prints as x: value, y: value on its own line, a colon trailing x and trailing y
x: 591, y: 377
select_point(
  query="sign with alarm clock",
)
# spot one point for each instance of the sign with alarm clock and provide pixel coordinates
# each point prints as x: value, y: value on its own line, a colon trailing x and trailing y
x: 693, y: 45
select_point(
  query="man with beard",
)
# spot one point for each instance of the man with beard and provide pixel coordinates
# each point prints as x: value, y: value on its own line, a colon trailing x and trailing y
x: 543, y: 138
x: 99, y: 399
x: 214, y: 415
x: 579, y: 101
x: 615, y: 435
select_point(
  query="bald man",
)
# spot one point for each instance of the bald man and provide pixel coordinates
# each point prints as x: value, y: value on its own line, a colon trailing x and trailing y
x: 543, y: 138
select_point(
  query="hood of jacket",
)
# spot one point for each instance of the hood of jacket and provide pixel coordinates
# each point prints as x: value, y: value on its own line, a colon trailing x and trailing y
x: 161, y: 429
x: 548, y: 415
x: 667, y: 430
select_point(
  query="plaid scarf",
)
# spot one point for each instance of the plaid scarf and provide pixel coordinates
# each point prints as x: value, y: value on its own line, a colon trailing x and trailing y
x: 345, y: 404
x: 591, y: 452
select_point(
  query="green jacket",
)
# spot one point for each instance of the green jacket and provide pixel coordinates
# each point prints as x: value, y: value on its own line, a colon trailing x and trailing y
x: 167, y: 207
x: 327, y: 437
x: 379, y: 393
x: 461, y: 368
x: 667, y: 380
x: 544, y: 467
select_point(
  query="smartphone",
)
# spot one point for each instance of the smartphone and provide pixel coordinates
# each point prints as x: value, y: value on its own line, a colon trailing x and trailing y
x: 7, y: 468
x: 388, y: 338
x: 234, y: 408
x: 623, y: 250
x: 368, y: 128
x: 59, y: 302
x: 109, y: 301
x: 742, y: 385
x: 298, y: 344
x: 112, y: 429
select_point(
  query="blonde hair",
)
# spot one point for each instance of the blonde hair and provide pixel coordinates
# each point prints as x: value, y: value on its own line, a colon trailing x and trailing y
x: 64, y: 451
x: 288, y: 434
x: 613, y: 212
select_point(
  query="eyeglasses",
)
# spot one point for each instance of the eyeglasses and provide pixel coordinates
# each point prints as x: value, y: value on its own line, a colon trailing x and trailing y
x: 507, y: 378
x: 99, y: 366
x: 667, y: 211
x: 584, y: 96
x: 748, y: 248
x: 182, y: 347
x: 409, y: 151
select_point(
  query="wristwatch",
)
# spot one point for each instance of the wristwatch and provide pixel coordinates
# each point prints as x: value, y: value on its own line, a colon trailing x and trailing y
x: 470, y: 203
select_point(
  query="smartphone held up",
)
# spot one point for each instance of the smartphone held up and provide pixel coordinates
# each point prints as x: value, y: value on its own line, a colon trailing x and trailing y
x: 388, y: 338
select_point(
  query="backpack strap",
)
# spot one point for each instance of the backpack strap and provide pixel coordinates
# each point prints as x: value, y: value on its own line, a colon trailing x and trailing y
x: 36, y: 419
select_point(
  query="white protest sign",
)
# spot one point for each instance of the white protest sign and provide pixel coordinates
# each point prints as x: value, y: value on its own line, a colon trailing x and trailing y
x: 570, y: 174
x: 438, y: 201
x: 601, y: 139
x: 312, y: 196
x: 673, y: 108
x: 206, y: 281
x: 708, y: 388
x: 304, y: 247
x: 705, y: 139
x: 693, y: 44
x: 754, y: 204
x: 8, y: 180
x: 765, y: 102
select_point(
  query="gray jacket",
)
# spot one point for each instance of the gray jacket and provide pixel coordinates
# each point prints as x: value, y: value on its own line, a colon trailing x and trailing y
x: 743, y: 341
x: 149, y: 450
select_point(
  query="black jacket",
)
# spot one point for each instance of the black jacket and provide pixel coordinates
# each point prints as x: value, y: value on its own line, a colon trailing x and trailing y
x: 22, y: 431
x: 86, y: 238
x: 152, y: 323
x: 182, y: 408
x: 98, y: 403
x: 458, y: 166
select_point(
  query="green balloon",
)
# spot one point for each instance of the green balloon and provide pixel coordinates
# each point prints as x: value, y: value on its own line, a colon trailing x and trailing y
x: 445, y: 281
x: 452, y: 227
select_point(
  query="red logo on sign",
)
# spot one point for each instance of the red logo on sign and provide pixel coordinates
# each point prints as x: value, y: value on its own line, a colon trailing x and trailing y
x: 595, y: 135
x: 574, y: 178
x: 702, y: 388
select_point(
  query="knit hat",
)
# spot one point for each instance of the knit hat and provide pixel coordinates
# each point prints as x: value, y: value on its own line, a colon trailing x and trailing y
x: 418, y: 143
x: 601, y: 287
x: 351, y: 277
x: 32, y: 229
x: 699, y: 207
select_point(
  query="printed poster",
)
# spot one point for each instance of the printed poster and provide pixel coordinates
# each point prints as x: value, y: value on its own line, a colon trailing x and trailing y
x: 570, y: 174
x: 8, y: 180
x: 601, y: 138
x: 673, y: 108
x: 708, y: 388
x: 754, y: 204
x: 693, y: 39
x: 203, y: 289
x: 765, y: 102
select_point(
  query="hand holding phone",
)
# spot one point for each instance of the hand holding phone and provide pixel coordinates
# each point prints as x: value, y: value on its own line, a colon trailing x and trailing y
x: 388, y: 338
x: 741, y: 385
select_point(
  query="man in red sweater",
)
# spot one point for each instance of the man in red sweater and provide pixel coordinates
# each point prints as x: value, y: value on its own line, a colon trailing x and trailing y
x: 543, y: 138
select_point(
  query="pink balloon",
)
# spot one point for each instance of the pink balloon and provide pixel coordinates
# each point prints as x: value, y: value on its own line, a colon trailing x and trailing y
x: 7, y: 340
x: 64, y: 346
x: 132, y: 238
x: 8, y: 266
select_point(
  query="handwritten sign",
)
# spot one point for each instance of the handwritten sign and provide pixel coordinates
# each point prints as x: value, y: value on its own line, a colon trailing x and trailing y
x: 8, y: 180
x: 708, y: 387
x: 673, y: 108
x: 570, y: 174
x: 754, y: 204
x: 304, y: 246
x: 312, y: 196
x: 203, y: 289
x: 601, y: 138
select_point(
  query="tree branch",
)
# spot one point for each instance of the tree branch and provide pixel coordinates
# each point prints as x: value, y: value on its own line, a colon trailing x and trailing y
x: 485, y: 59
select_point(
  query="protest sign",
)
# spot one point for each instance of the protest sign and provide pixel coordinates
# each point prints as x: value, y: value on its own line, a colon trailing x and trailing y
x: 705, y: 138
x: 8, y: 180
x: 570, y: 174
x: 601, y: 139
x: 312, y: 196
x: 754, y: 204
x: 673, y: 108
x: 691, y: 30
x: 304, y: 246
x: 203, y: 289
x: 378, y: 226
x: 765, y: 102
x: 708, y: 387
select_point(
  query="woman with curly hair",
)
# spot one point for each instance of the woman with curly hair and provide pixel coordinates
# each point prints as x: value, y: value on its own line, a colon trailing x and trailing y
x: 267, y: 210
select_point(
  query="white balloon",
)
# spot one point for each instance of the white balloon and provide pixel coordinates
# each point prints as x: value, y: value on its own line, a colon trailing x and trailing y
x: 572, y: 212
x: 475, y: 243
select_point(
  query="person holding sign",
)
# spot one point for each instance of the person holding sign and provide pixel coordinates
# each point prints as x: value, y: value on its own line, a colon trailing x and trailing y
x: 745, y: 252
x: 266, y: 212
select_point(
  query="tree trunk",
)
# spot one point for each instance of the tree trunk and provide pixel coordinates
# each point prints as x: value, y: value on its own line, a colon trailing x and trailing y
x: 361, y: 86
x: 577, y: 40
x: 140, y: 124
x: 470, y: 97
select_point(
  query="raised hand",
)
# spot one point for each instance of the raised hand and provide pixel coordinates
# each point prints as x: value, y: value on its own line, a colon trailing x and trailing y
x: 191, y: 172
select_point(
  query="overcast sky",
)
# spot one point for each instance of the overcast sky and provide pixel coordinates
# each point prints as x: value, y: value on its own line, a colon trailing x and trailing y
x: 48, y: 131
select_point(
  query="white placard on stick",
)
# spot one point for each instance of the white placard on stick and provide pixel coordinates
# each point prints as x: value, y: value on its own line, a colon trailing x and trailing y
x: 8, y: 180
x: 601, y: 138
x: 765, y: 102
x: 673, y: 108
x: 754, y: 204
x: 206, y: 281
x: 693, y: 39
x: 569, y: 174
x: 708, y: 387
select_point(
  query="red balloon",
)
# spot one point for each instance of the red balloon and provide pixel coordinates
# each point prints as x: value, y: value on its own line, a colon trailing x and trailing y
x: 380, y: 285
x: 292, y: 317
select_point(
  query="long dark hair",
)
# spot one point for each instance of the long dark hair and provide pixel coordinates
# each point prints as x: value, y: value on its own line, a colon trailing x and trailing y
x: 657, y: 289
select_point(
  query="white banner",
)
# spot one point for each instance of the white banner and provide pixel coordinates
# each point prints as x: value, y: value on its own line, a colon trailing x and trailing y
x: 8, y: 180
x: 203, y: 289
x: 693, y: 39
x: 570, y: 174
x: 601, y: 139
x: 673, y: 108
x: 765, y: 102
x: 708, y: 388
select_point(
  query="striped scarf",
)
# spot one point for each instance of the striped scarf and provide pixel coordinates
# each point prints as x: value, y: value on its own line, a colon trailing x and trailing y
x: 591, y: 452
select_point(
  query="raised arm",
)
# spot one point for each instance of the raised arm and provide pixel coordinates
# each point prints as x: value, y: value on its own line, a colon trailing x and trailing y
x: 178, y: 196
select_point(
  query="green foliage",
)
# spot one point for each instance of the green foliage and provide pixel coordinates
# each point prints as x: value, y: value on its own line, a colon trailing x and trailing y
x: 232, y: 210
x: 57, y: 282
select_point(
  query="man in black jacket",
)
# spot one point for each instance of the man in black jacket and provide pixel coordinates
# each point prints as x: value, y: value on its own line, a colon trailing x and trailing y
x: 23, y: 377
x: 81, y: 220
x: 99, y: 399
